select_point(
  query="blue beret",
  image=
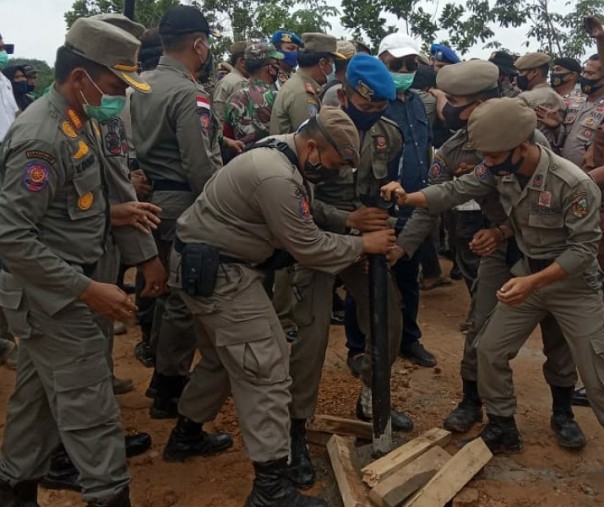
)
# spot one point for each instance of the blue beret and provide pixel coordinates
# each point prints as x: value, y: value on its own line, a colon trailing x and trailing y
x: 285, y: 36
x: 370, y: 78
x: 444, y: 53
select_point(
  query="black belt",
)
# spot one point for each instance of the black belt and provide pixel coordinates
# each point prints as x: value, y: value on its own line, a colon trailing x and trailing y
x: 179, y: 246
x: 87, y: 269
x: 170, y: 186
x: 536, y: 265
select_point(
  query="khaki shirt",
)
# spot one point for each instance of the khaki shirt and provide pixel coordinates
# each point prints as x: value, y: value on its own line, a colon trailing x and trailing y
x: 556, y: 216
x: 258, y: 203
x: 296, y: 102
x: 544, y: 95
x: 176, y: 135
x: 54, y: 211
x: 229, y: 84
x: 579, y: 128
x: 335, y: 200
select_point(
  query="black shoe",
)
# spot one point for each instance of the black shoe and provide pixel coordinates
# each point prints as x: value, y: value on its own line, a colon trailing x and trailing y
x: 122, y: 499
x: 417, y: 354
x: 399, y: 420
x: 143, y: 353
x: 501, y: 435
x: 137, y: 444
x: 568, y: 432
x: 188, y: 439
x: 22, y: 494
x: 301, y: 470
x: 456, y: 273
x: 355, y: 362
x: 272, y: 488
x: 337, y: 318
x: 168, y: 391
x: 62, y: 473
x: 291, y: 336
x: 468, y: 411
x: 580, y: 398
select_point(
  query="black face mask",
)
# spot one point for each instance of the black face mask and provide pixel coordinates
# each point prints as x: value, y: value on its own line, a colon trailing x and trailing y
x: 317, y: 173
x: 204, y: 75
x: 589, y: 86
x: 522, y: 82
x: 361, y: 119
x: 557, y: 78
x: 452, y: 116
x: 506, y: 167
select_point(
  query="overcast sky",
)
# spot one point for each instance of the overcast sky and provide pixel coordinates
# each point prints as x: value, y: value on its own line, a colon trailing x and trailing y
x: 37, y: 28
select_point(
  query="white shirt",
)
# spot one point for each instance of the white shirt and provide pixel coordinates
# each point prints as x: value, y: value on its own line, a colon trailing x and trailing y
x: 8, y: 106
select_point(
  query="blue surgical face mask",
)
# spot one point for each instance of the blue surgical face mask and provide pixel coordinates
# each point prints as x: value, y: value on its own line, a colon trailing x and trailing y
x: 402, y: 82
x: 291, y: 58
x: 111, y: 105
x: 3, y: 59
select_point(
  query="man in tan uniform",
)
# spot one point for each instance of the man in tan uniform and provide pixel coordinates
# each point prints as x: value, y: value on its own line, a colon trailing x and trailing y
x: 533, y: 69
x: 256, y: 204
x: 57, y: 216
x: 553, y: 209
x: 232, y: 82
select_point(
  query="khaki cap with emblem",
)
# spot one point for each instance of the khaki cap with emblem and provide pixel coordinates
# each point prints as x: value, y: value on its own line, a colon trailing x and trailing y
x: 532, y: 61
x: 261, y: 52
x: 339, y: 130
x: 346, y: 49
x: 109, y: 46
x: 318, y: 42
x: 499, y: 125
x: 468, y: 78
x: 121, y: 21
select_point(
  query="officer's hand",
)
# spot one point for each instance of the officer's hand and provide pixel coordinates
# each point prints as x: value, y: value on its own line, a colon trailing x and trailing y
x: 368, y: 219
x: 140, y: 215
x: 236, y: 146
x: 108, y: 300
x: 516, y: 290
x: 593, y: 27
x: 394, y: 255
x: 485, y: 242
x: 549, y: 117
x: 394, y: 189
x: 378, y: 242
x: 141, y: 184
x: 155, y: 278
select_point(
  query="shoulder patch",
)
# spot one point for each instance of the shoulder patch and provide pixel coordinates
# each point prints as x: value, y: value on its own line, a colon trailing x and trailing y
x: 481, y: 171
x: 436, y: 169
x: 42, y: 155
x: 35, y: 176
x: 309, y: 88
x: 205, y: 114
x: 313, y: 109
x: 304, y: 206
x: 68, y: 130
x: 580, y: 205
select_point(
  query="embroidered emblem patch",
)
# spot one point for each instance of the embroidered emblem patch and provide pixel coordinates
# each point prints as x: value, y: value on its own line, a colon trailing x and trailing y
x: 545, y: 199
x: 481, y: 171
x: 42, y: 155
x: 580, y: 206
x: 68, y: 130
x: 35, y: 176
x: 537, y: 180
x: 436, y: 169
x: 83, y: 150
x: 380, y: 144
x: 304, y: 207
x: 85, y: 201
x: 312, y: 109
x: 203, y: 106
x: 74, y: 119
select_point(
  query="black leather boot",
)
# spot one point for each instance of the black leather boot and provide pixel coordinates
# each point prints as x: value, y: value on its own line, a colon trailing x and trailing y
x: 122, y: 499
x: 501, y: 435
x: 272, y: 488
x: 399, y: 420
x: 22, y: 494
x: 301, y: 470
x: 563, y: 422
x: 167, y: 393
x: 467, y: 412
x: 188, y: 439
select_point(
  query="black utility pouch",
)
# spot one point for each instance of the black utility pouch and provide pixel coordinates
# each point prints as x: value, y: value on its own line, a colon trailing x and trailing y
x: 199, y: 268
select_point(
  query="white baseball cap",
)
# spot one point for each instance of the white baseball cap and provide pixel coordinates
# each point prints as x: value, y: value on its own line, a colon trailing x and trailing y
x: 398, y: 45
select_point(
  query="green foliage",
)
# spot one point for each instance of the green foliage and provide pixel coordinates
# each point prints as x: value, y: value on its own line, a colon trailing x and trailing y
x: 45, y: 73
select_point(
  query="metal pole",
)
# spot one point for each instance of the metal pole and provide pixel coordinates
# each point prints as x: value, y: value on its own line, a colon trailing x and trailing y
x: 129, y: 8
x: 380, y: 361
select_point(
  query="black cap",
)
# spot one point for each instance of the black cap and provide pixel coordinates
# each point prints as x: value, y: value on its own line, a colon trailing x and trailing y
x: 505, y: 62
x: 569, y: 63
x: 183, y: 20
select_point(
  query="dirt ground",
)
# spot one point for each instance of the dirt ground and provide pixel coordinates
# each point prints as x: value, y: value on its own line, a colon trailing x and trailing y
x: 543, y: 475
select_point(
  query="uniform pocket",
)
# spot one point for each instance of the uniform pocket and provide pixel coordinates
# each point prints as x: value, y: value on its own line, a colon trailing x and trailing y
x: 15, y: 312
x: 85, y: 198
x: 84, y: 395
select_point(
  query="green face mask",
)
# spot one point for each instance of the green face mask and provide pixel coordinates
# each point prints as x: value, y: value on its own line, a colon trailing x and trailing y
x: 111, y: 105
x: 3, y: 59
x: 402, y: 81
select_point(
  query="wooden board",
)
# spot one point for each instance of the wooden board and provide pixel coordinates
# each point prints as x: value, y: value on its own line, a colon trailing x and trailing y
x: 341, y: 426
x: 387, y: 465
x: 344, y: 462
x: 397, y: 488
x: 453, y: 476
x: 317, y: 437
x: 467, y: 497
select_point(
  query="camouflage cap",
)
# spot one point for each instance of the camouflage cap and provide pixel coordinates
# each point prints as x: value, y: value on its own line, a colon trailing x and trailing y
x: 108, y: 46
x: 339, y: 130
x: 318, y: 42
x: 132, y: 27
x: 261, y: 52
x: 499, y: 125
x: 532, y: 61
x: 468, y: 78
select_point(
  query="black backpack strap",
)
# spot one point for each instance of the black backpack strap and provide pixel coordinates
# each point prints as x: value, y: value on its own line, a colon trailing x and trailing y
x: 277, y: 145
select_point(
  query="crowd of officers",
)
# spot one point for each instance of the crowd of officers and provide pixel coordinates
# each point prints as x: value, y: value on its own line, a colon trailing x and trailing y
x: 243, y: 192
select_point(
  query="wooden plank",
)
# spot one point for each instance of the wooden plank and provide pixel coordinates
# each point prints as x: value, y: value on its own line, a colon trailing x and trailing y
x: 467, y: 497
x: 453, y: 476
x: 384, y: 467
x: 397, y: 488
x: 341, y: 426
x: 318, y: 437
x: 344, y: 461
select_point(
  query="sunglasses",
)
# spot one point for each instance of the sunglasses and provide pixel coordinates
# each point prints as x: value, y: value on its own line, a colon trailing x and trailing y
x: 399, y: 64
